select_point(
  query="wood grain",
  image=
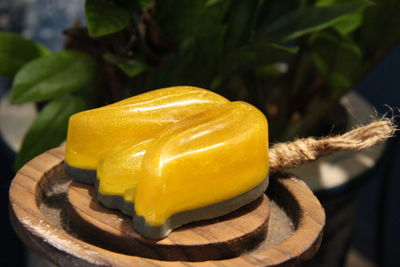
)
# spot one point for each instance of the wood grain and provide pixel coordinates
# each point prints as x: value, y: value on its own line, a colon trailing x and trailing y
x: 60, y: 247
x: 221, y: 238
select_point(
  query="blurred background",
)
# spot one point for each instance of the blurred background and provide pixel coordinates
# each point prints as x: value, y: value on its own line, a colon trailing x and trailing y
x: 313, y: 67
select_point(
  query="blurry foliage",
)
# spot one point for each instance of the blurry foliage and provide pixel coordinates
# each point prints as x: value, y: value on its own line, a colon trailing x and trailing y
x: 293, y: 60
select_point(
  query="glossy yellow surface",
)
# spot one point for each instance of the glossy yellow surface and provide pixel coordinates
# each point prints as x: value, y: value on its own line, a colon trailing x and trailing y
x: 94, y: 132
x: 118, y: 171
x: 209, y: 157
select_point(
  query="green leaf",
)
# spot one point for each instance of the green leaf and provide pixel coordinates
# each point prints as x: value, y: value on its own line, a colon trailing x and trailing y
x: 52, y: 76
x: 49, y: 129
x: 310, y: 19
x: 16, y: 51
x: 130, y: 66
x: 254, y: 55
x: 347, y: 23
x: 105, y: 17
x: 337, y: 59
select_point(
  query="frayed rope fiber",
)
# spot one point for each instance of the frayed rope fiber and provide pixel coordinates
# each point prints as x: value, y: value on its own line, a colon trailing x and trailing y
x: 292, y: 154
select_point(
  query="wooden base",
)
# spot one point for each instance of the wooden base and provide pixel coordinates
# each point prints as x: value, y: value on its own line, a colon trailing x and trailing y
x: 220, y: 238
x: 39, y: 215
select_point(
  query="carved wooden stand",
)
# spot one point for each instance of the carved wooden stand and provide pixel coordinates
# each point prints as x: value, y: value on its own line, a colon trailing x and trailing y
x: 63, y: 223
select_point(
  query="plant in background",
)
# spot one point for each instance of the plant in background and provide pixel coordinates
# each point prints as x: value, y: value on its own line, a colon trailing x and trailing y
x: 293, y: 60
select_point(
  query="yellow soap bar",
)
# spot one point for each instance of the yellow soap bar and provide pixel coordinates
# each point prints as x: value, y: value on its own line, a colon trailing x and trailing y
x: 93, y: 132
x: 171, y: 156
x: 204, y: 159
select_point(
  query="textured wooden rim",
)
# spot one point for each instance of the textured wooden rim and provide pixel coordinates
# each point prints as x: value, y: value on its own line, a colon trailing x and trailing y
x: 63, y: 249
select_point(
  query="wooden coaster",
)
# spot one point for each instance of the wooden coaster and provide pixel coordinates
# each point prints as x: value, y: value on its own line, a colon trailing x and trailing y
x: 224, y: 237
x: 38, y: 212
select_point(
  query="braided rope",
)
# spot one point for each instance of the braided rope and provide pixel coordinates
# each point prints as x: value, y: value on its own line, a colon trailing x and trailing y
x: 292, y: 154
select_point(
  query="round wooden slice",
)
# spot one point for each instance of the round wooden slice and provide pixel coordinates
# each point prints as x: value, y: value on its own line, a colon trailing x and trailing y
x: 220, y: 238
x: 39, y: 214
